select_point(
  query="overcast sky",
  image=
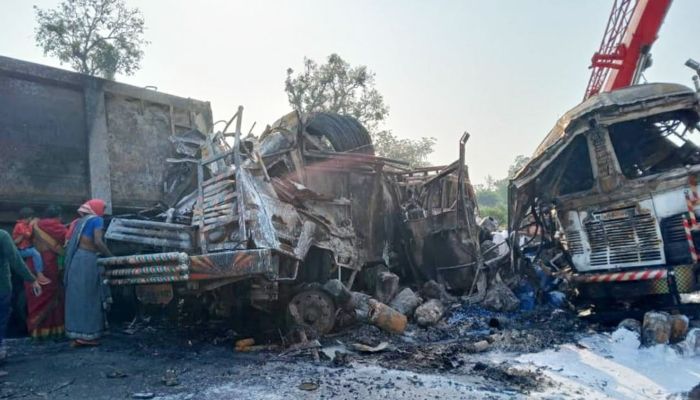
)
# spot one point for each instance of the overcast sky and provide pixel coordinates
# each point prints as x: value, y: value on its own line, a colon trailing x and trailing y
x: 503, y: 70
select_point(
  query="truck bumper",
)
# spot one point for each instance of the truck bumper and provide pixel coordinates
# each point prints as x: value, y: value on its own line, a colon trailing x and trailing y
x: 649, y: 281
x: 179, y: 267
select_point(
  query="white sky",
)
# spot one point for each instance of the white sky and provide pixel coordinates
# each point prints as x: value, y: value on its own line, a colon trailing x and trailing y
x: 503, y: 70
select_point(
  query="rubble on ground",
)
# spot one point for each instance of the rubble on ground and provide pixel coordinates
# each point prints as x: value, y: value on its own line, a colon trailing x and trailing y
x: 679, y: 327
x: 656, y: 328
x: 429, y: 313
x: 691, y: 344
x: 631, y: 325
x: 500, y: 298
x: 434, y: 290
x: 524, y: 380
x: 406, y: 302
x: 387, y: 285
x: 662, y: 328
x: 386, y: 317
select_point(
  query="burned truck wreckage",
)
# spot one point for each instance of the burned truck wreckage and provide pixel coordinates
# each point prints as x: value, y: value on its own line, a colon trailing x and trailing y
x: 612, y: 191
x: 264, y: 222
x: 604, y: 214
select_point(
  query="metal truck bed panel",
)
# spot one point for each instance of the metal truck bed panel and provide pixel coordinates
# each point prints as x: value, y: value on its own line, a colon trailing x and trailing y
x: 43, y: 142
x: 66, y: 137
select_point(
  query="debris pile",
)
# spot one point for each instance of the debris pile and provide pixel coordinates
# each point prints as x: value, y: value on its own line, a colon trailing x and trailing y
x: 406, y: 301
x: 307, y: 225
x: 662, y: 328
x: 268, y: 221
x: 429, y: 313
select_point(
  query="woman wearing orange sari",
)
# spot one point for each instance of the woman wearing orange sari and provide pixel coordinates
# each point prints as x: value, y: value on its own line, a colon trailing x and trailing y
x: 45, y: 312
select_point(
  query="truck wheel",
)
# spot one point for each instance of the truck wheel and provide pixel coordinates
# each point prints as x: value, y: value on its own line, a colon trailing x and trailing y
x: 313, y: 308
x: 345, y: 133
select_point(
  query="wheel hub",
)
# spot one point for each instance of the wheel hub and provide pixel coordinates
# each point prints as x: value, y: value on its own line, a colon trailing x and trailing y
x: 313, y: 308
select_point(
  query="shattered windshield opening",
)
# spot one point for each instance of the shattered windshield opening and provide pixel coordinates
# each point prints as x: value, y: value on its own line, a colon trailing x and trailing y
x: 656, y: 144
x: 576, y: 174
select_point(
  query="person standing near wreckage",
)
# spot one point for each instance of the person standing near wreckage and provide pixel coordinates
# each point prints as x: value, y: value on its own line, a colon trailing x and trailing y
x: 86, y: 295
x: 10, y: 260
x: 45, y: 312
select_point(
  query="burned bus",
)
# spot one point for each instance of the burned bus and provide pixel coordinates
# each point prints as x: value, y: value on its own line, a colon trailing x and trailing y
x: 612, y: 191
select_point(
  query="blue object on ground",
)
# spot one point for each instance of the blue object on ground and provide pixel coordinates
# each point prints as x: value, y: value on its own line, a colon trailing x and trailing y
x: 546, y: 281
x: 526, y: 295
x: 556, y: 298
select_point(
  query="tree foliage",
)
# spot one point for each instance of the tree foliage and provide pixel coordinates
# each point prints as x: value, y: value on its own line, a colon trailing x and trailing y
x: 518, y: 164
x: 96, y: 37
x: 336, y: 86
x: 414, y: 151
x: 492, y: 197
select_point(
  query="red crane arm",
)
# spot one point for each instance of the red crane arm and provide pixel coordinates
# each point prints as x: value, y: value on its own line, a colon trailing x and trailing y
x: 631, y: 30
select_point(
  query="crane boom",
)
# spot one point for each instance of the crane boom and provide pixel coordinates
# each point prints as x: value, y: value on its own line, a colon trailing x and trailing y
x: 624, y: 51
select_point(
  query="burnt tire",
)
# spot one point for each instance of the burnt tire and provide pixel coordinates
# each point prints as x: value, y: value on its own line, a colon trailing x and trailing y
x: 345, y: 133
x: 312, y: 309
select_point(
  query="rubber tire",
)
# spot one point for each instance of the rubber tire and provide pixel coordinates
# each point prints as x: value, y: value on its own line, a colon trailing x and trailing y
x: 345, y: 133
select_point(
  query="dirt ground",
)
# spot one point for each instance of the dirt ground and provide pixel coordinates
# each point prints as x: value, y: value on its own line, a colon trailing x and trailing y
x: 546, y: 353
x: 199, y: 362
x: 124, y: 366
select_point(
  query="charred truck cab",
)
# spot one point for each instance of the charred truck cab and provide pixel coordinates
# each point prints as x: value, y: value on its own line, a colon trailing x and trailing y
x: 266, y: 221
x: 613, y: 191
x: 265, y: 217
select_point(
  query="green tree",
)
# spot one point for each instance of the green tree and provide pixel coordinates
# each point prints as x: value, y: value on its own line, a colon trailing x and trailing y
x: 414, y: 151
x: 96, y: 37
x: 336, y: 86
x: 518, y: 164
x: 492, y: 196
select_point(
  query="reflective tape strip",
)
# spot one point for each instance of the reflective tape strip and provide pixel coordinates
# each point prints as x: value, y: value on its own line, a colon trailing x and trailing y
x: 693, y: 183
x: 147, y: 280
x: 689, y: 239
x: 156, y: 269
x: 652, y: 274
x: 690, y: 205
x: 145, y: 259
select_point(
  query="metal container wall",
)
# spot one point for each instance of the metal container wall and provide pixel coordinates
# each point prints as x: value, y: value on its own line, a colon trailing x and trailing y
x: 66, y: 137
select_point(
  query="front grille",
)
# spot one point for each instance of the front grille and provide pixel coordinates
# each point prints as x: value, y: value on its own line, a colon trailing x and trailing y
x: 625, y: 241
x: 675, y: 242
x: 672, y: 228
x: 573, y: 242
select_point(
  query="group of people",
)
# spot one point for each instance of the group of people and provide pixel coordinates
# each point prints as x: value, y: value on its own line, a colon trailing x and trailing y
x: 40, y: 251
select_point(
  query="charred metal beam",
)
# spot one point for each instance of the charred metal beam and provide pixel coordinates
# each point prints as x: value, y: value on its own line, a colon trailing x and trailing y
x: 151, y: 224
x: 461, y: 204
x: 156, y: 242
x: 356, y: 156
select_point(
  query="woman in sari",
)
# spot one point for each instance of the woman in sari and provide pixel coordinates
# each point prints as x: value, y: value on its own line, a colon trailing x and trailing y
x: 86, y: 295
x: 45, y: 312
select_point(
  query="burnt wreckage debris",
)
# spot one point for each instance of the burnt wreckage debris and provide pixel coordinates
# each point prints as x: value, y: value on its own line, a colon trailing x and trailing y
x: 295, y: 220
x: 609, y: 200
x: 305, y: 222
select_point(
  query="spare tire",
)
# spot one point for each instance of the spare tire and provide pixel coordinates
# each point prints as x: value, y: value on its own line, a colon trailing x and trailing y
x: 345, y: 133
